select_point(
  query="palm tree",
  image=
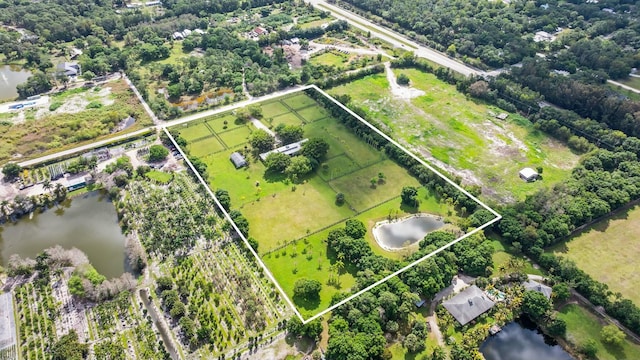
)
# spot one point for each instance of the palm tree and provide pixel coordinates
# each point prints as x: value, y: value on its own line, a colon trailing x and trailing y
x: 46, y: 185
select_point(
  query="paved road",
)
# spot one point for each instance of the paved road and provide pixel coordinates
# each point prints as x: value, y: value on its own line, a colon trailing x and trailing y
x: 395, y: 38
x: 627, y: 87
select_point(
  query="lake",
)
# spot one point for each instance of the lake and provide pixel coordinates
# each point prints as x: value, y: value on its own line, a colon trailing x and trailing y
x: 405, y: 232
x: 10, y: 76
x: 521, y: 340
x: 87, y: 222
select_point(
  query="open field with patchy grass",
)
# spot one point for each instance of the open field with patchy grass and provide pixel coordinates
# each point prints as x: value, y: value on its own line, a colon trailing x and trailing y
x: 463, y: 136
x: 617, y: 237
x: 79, y: 116
x: 330, y: 58
x: 582, y: 326
x: 290, y: 220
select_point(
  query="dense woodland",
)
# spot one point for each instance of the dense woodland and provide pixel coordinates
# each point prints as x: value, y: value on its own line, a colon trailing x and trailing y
x: 490, y: 33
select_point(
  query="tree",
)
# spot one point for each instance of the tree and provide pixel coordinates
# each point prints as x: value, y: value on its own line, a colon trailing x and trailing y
x: 612, y: 335
x: 413, y: 343
x: 261, y: 140
x: 224, y: 198
x: 403, y: 79
x: 339, y: 198
x: 557, y: 327
x: 243, y: 115
x: 277, y: 162
x: 299, y: 166
x: 11, y: 171
x: 589, y: 348
x: 289, y: 133
x: 307, y: 289
x: 315, y: 148
x: 355, y: 228
x: 409, y: 196
x: 164, y: 283
x: 536, y: 305
x: 157, y: 153
x: 88, y: 75
x: 561, y: 292
x: 255, y: 111
x: 69, y: 348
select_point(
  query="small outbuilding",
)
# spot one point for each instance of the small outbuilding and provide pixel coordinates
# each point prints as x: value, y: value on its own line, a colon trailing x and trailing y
x: 528, y: 174
x: 238, y: 160
x: 532, y: 285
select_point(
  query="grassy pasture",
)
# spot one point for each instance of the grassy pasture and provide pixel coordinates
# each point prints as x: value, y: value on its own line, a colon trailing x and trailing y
x: 217, y: 124
x: 286, y: 119
x: 582, y: 326
x: 445, y: 127
x: 194, y: 132
x: 205, y: 147
x: 615, y: 236
x: 291, y: 221
x: 330, y: 58
x: 273, y: 108
x: 313, y: 113
x: 235, y: 137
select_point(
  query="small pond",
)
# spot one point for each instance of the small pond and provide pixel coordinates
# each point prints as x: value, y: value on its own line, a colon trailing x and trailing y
x: 87, y: 222
x: 521, y: 340
x: 10, y: 76
x: 405, y: 232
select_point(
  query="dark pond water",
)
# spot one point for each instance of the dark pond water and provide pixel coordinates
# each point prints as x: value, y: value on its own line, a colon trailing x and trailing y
x: 87, y: 222
x: 10, y: 76
x: 521, y: 340
x: 402, y: 233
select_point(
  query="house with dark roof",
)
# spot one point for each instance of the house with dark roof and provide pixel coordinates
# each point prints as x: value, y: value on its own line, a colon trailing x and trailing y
x: 238, y: 160
x: 532, y: 285
x: 468, y: 304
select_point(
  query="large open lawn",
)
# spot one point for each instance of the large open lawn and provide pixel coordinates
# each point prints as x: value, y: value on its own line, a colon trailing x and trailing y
x: 291, y: 220
x: 583, y: 326
x: 463, y: 136
x: 608, y: 251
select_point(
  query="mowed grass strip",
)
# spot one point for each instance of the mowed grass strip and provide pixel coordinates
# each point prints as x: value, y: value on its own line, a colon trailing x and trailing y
x: 205, y: 147
x: 218, y: 125
x: 583, y: 326
x: 608, y: 252
x: 298, y: 101
x: 192, y: 132
x: 313, y: 113
x: 341, y: 140
x: 273, y: 108
x: 359, y: 192
x: 290, y: 214
x: 235, y: 137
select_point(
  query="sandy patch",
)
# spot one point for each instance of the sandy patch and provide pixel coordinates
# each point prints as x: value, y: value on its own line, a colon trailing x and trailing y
x: 400, y: 92
x: 78, y: 103
x: 514, y: 148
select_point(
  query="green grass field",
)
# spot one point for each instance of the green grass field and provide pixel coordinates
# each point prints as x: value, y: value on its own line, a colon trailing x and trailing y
x: 205, y: 147
x: 313, y: 113
x: 329, y: 58
x: 445, y: 127
x: 583, y: 325
x: 616, y: 237
x: 632, y: 81
x: 298, y: 101
x: 159, y: 176
x: 235, y: 137
x: 291, y: 221
x: 193, y: 132
x: 286, y: 119
x: 217, y: 124
x: 273, y: 108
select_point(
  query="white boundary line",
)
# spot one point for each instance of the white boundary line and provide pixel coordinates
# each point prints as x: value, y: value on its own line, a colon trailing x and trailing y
x: 386, y: 278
